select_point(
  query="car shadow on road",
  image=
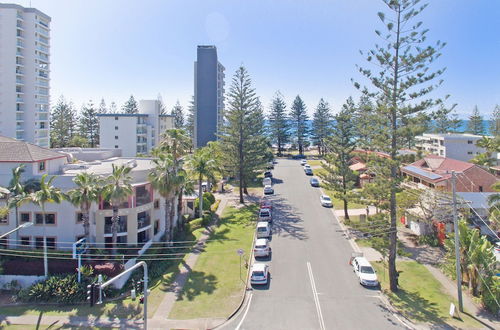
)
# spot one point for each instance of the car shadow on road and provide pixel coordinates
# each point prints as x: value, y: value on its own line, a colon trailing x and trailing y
x: 286, y: 221
x: 277, y: 181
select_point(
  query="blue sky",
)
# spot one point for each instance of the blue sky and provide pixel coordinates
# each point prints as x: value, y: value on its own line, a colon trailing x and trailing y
x: 112, y: 48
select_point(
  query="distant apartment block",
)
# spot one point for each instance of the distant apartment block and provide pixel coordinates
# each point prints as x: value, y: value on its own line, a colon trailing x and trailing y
x: 457, y: 146
x: 134, y: 133
x: 24, y: 74
x: 208, y: 95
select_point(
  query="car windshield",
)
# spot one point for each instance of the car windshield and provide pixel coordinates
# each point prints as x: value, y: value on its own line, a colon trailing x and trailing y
x: 326, y: 198
x: 260, y: 246
x: 258, y: 273
x: 367, y: 270
x: 264, y: 213
x: 262, y: 229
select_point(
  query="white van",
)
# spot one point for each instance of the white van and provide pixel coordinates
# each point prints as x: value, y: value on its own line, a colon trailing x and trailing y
x: 263, y: 229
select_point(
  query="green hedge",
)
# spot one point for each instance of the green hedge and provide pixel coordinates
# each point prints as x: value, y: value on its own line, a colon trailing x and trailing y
x: 60, y: 289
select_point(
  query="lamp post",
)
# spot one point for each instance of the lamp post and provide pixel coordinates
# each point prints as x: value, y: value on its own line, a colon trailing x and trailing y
x: 24, y: 225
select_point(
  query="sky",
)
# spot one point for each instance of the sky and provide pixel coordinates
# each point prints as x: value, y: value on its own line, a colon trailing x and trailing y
x: 113, y: 49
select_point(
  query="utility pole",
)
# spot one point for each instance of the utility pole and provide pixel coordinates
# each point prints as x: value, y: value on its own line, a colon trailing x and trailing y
x: 457, y: 242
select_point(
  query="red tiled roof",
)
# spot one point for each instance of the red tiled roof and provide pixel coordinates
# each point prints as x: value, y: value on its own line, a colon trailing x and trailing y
x: 434, y: 164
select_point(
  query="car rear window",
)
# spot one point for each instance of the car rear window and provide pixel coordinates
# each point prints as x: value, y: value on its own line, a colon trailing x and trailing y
x: 260, y: 246
x: 367, y: 270
x: 264, y: 213
x: 262, y: 229
x: 258, y: 273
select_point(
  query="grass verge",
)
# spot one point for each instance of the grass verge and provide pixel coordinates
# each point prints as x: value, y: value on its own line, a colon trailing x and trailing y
x: 421, y: 297
x: 214, y: 287
x: 339, y: 204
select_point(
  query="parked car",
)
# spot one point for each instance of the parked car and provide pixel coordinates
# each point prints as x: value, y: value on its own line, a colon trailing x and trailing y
x: 263, y: 229
x: 307, y: 166
x: 314, y: 182
x: 365, y: 272
x: 270, y: 166
x: 303, y: 162
x: 259, y: 273
x: 266, y: 204
x: 308, y: 171
x: 267, y: 181
x: 268, y: 174
x: 497, y: 247
x: 268, y: 190
x: 265, y: 215
x: 326, y: 201
x: 261, y: 248
x: 298, y: 157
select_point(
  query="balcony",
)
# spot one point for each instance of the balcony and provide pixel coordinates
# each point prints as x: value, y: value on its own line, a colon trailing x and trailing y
x: 19, y: 71
x: 19, y: 81
x: 19, y: 117
x: 43, y: 31
x: 43, y: 74
x: 19, y: 100
x: 122, y: 225
x: 42, y: 23
x: 43, y: 48
x: 43, y: 83
x: 20, y: 43
x: 143, y: 220
x: 43, y: 57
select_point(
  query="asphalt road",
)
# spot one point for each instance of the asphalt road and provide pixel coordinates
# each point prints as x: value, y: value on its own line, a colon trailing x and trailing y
x: 312, y: 285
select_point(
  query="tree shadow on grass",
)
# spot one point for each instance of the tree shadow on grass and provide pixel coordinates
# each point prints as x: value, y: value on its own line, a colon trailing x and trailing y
x: 197, y: 283
x: 417, y: 308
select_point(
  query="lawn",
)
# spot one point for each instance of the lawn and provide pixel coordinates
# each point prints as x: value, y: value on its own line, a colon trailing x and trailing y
x: 214, y: 287
x: 338, y: 204
x: 314, y: 162
x: 421, y: 297
x: 123, y: 308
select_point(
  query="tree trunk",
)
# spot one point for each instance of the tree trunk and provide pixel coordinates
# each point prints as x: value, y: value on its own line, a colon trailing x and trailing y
x: 167, y: 230
x: 346, y: 212
x: 17, y: 224
x: 45, y: 258
x: 114, y: 229
x: 200, y: 197
x: 179, y: 209
x: 172, y: 217
x: 86, y: 225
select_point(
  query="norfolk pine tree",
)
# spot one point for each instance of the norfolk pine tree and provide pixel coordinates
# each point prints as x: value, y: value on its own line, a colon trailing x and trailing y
x: 339, y: 177
x: 243, y: 144
x: 191, y: 114
x: 130, y: 106
x: 367, y: 123
x: 178, y: 114
x: 495, y: 121
x: 89, y: 124
x: 401, y: 83
x: 445, y: 120
x: 102, y: 107
x: 322, y: 125
x: 62, y: 123
x: 475, y: 124
x: 163, y: 109
x: 298, y: 117
x: 278, y: 124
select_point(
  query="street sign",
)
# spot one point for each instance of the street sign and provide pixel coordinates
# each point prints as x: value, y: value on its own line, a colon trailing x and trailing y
x: 240, y: 252
x: 79, y: 247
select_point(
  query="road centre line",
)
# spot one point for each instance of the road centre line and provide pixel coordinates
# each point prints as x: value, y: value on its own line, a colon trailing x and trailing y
x: 316, y: 299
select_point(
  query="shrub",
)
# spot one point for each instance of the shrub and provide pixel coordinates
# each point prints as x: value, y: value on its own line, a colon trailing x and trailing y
x: 215, y: 206
x: 207, y: 218
x: 195, y: 224
x: 61, y: 289
x: 429, y: 240
x: 209, y: 196
x: 206, y: 203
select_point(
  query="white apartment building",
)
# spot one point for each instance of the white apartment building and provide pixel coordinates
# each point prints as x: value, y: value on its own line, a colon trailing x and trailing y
x: 24, y: 74
x: 135, y: 133
x: 451, y: 145
x: 142, y: 216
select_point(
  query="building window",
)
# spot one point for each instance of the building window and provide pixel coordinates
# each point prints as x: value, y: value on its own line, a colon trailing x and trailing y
x: 116, y: 147
x: 480, y: 188
x: 116, y: 118
x: 157, y: 204
x: 42, y: 125
x: 4, y: 219
x: 41, y: 166
x: 4, y: 242
x: 469, y: 152
x: 25, y: 240
x: 79, y: 217
x: 116, y: 137
x: 51, y: 242
x: 50, y: 218
x: 25, y: 216
x: 470, y: 142
x: 156, y: 227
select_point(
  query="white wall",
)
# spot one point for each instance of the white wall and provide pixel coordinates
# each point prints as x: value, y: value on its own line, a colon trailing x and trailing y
x: 460, y: 149
x: 127, y: 134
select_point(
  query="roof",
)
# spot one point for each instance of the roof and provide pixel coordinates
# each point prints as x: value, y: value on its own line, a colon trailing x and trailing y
x: 262, y: 224
x: 358, y: 166
x: 122, y: 115
x: 362, y: 261
x: 450, y: 135
x: 259, y: 266
x: 436, y: 168
x: 105, y: 166
x: 12, y: 150
x: 261, y: 241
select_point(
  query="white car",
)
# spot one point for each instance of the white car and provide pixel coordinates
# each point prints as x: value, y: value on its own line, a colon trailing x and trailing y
x: 326, y: 201
x: 259, y: 274
x: 263, y: 229
x: 365, y: 272
x: 261, y: 248
x: 265, y: 215
x: 307, y: 166
x: 267, y: 182
x: 268, y: 190
x: 303, y: 162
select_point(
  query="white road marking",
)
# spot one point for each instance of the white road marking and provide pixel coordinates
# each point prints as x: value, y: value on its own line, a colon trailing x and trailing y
x: 315, y: 295
x: 246, y: 311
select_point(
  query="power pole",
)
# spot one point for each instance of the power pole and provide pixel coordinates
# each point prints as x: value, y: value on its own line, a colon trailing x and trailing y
x: 457, y: 242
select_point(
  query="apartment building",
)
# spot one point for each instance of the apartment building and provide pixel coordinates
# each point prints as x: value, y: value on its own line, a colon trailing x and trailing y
x: 136, y: 133
x: 208, y: 95
x: 24, y: 74
x: 142, y: 216
x: 451, y: 145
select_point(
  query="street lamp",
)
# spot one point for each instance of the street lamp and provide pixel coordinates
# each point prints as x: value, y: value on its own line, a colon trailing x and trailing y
x: 24, y: 225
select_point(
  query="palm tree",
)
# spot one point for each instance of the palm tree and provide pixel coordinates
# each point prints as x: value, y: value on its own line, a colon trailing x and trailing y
x: 116, y: 191
x: 494, y: 204
x: 201, y: 166
x: 166, y: 180
x: 88, y: 190
x: 47, y: 194
x: 17, y: 192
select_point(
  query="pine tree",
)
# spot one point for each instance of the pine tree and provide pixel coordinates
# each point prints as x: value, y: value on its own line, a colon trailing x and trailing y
x: 242, y: 140
x: 412, y: 126
x: 278, y: 123
x: 495, y: 121
x: 89, y: 124
x: 402, y: 79
x: 191, y: 115
x: 368, y: 125
x: 113, y: 108
x: 63, y: 119
x: 339, y: 177
x: 446, y: 120
x: 178, y: 114
x: 475, y: 125
x: 163, y: 108
x: 298, y: 117
x: 322, y: 125
x: 130, y: 106
x: 102, y: 107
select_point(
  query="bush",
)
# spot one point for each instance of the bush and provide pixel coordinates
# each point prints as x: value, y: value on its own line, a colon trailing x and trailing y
x: 215, y: 206
x: 429, y: 240
x: 195, y: 224
x: 61, y: 289
x: 209, y: 196
x: 206, y: 203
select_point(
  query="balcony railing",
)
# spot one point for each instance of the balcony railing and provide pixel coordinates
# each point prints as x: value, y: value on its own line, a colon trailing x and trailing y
x: 43, y: 24
x: 43, y: 74
x: 43, y: 48
x: 143, y: 221
x: 43, y: 31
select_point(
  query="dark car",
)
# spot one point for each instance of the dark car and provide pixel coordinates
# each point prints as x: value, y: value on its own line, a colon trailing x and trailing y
x: 308, y: 171
x: 298, y: 156
x: 268, y: 174
x: 314, y: 182
x: 270, y: 166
